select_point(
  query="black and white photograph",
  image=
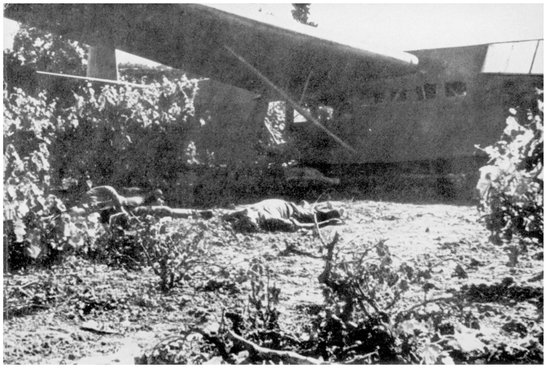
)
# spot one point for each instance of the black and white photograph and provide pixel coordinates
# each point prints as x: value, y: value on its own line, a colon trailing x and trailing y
x: 273, y: 183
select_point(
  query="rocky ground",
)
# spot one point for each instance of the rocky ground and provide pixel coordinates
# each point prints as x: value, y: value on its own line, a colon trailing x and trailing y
x: 85, y: 312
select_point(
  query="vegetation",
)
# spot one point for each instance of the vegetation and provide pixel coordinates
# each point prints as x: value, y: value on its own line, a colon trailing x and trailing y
x: 34, y: 50
x: 48, y: 149
x: 300, y: 12
x: 228, y: 293
x: 366, y: 318
x: 171, y: 252
x: 512, y: 183
x: 36, y: 226
x: 48, y: 52
x: 125, y: 136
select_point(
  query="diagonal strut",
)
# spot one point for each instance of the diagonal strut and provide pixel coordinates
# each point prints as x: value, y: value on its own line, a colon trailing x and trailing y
x: 295, y: 105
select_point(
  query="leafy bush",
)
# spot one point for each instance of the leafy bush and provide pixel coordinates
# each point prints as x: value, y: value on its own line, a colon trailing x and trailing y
x: 172, y: 249
x: 36, y: 225
x: 120, y: 136
x: 173, y: 253
x: 34, y: 50
x: 376, y: 310
x: 263, y: 298
x: 360, y: 322
x: 260, y: 319
x: 511, y: 186
x: 127, y: 136
x: 49, y: 52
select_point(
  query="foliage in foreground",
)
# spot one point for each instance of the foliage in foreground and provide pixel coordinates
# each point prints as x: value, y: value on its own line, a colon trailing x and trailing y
x: 366, y: 318
x: 126, y: 136
x: 123, y: 137
x: 36, y: 225
x: 511, y: 185
x: 173, y: 251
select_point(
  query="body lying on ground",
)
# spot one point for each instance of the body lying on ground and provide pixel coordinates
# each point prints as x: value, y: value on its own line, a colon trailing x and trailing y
x: 166, y: 211
x: 281, y: 215
x: 110, y: 205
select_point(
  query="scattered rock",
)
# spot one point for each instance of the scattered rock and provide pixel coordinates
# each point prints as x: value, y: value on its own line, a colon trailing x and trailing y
x: 475, y: 263
x: 460, y: 272
x: 515, y: 327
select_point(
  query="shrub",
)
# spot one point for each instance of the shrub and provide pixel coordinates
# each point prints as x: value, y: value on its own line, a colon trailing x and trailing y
x: 35, y: 50
x: 49, y: 52
x: 173, y: 253
x: 360, y: 323
x: 36, y: 225
x: 128, y: 136
x: 511, y: 185
x: 172, y: 249
x: 260, y: 321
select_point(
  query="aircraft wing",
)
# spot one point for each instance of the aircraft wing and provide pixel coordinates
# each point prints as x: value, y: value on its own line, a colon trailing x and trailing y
x: 195, y: 38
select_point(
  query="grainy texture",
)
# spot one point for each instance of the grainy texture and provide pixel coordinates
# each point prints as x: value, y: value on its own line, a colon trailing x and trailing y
x: 447, y: 239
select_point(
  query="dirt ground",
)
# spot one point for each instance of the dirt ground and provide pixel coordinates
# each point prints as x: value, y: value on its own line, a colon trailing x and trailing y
x: 89, y: 313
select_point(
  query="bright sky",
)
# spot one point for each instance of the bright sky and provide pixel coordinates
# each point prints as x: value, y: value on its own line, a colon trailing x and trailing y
x: 400, y: 27
x: 422, y: 26
x: 416, y: 26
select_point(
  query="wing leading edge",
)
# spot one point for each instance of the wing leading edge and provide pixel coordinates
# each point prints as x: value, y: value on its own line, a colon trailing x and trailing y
x: 195, y: 38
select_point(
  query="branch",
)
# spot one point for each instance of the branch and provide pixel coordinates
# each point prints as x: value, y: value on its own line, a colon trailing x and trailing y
x: 291, y: 248
x: 218, y: 343
x: 362, y: 359
x: 149, y: 259
x: 264, y: 354
x: 318, y: 230
x: 364, y: 310
x: 370, y: 301
x: 444, y: 298
x: 324, y: 276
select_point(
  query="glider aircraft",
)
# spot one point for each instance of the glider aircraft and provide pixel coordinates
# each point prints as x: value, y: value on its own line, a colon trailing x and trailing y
x: 361, y: 107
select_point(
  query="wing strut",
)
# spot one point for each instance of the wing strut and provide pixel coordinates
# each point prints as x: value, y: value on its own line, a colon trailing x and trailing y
x: 287, y: 97
x: 101, y: 80
x: 305, y: 87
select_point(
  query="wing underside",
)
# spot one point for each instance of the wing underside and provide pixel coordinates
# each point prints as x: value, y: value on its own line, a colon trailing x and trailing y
x: 195, y: 38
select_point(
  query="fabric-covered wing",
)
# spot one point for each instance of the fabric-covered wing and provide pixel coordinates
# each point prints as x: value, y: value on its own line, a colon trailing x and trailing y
x: 193, y: 37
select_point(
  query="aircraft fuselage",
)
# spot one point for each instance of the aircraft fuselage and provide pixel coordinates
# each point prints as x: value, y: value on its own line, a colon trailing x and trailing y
x: 458, y: 99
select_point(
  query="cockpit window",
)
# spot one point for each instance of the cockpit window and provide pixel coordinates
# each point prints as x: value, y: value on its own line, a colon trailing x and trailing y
x: 427, y: 91
x: 398, y: 95
x: 456, y: 88
x: 420, y: 93
x: 379, y: 97
x: 430, y: 90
